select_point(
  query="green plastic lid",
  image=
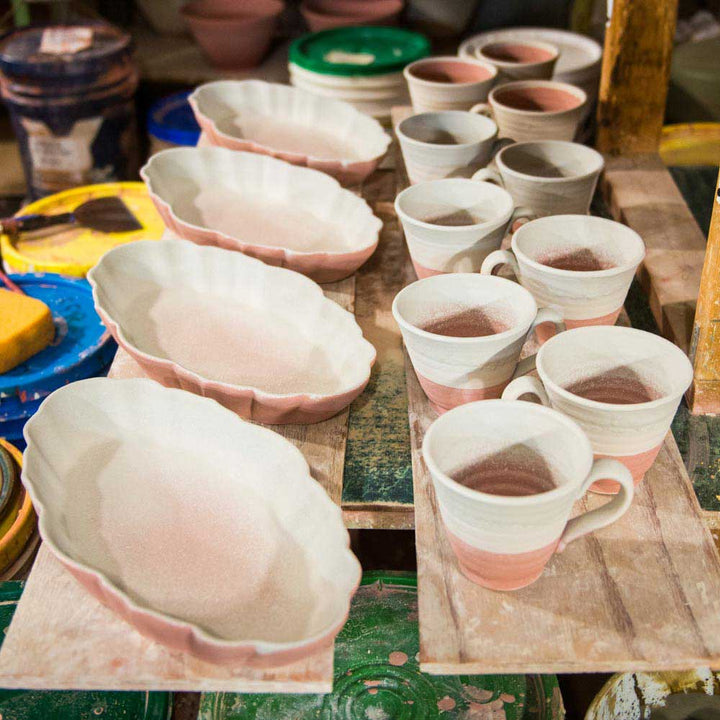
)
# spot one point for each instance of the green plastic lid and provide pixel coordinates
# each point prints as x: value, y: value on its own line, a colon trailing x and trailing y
x: 359, y: 50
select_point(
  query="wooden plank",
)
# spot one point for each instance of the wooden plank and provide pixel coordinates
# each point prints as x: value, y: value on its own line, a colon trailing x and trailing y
x: 640, y: 192
x: 63, y: 638
x: 641, y: 594
x: 635, y: 75
x: 705, y: 351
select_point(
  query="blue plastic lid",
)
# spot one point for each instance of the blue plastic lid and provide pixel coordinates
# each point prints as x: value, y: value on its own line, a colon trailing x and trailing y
x: 171, y: 119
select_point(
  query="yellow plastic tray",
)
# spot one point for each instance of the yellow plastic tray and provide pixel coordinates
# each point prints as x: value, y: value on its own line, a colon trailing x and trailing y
x: 691, y: 144
x: 73, y: 251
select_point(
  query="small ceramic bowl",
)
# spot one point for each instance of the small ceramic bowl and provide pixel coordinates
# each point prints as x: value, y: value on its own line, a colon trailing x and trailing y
x: 233, y: 36
x: 281, y: 214
x: 381, y: 13
x: 363, y: 8
x: 204, y: 532
x: 262, y: 341
x: 293, y: 125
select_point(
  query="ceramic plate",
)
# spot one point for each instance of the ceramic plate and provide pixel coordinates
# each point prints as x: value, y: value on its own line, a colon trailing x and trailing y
x: 205, y: 532
x: 266, y: 208
x: 291, y: 124
x: 261, y: 340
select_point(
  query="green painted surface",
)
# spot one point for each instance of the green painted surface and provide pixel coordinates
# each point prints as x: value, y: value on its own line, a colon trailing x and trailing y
x: 69, y: 705
x: 377, y: 676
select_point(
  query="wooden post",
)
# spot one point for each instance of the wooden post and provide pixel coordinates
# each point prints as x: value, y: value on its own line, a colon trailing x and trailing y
x: 635, y: 75
x: 705, y: 348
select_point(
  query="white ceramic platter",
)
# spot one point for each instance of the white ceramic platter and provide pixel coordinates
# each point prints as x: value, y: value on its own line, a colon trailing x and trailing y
x: 285, y: 215
x: 261, y: 340
x: 291, y: 124
x: 205, y: 532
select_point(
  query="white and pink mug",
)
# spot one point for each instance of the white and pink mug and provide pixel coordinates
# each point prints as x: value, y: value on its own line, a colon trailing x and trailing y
x: 527, y: 110
x: 448, y: 83
x: 621, y: 385
x: 452, y: 225
x: 464, y: 333
x: 580, y: 265
x: 506, y: 476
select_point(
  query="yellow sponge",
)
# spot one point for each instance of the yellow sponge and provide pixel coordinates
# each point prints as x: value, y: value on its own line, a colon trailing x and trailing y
x: 26, y: 328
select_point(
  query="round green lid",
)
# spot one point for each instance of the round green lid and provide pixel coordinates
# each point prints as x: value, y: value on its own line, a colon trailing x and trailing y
x: 362, y: 50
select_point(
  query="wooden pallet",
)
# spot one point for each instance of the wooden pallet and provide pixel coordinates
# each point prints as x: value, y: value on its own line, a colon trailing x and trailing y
x: 63, y: 638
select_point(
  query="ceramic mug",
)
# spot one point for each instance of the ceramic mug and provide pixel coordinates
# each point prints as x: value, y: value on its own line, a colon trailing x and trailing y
x: 520, y: 59
x: 580, y: 265
x: 448, y: 83
x: 452, y: 225
x: 464, y: 333
x: 548, y: 176
x: 527, y: 110
x: 621, y: 385
x: 506, y: 475
x: 444, y: 144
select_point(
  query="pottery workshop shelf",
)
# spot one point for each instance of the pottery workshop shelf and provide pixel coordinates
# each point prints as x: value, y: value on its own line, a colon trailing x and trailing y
x: 639, y: 595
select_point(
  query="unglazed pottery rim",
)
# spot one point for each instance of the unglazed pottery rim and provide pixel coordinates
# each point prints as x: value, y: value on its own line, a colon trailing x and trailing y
x: 371, y: 243
x: 577, y: 92
x: 567, y: 488
x: 667, y: 398
x: 273, y: 9
x: 518, y: 329
x: 554, y: 180
x: 298, y: 158
x: 499, y: 220
x: 459, y: 113
x: 516, y: 64
x: 264, y: 648
x: 562, y: 272
x: 477, y: 62
x: 258, y: 395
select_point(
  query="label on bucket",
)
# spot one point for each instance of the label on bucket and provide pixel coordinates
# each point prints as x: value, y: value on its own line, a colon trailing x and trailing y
x: 65, y: 40
x: 60, y: 162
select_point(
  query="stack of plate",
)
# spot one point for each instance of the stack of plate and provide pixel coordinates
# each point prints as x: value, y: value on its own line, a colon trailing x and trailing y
x: 578, y: 63
x: 82, y: 348
x: 360, y: 65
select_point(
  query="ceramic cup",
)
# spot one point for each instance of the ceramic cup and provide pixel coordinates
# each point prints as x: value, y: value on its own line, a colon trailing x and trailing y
x: 464, y: 333
x: 475, y: 452
x: 444, y: 144
x: 580, y: 265
x: 520, y: 59
x: 452, y: 225
x: 536, y: 109
x: 548, y: 176
x: 448, y: 83
x: 621, y: 385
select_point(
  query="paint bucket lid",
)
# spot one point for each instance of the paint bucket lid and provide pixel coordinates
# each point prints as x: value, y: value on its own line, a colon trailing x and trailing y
x: 82, y: 346
x: 171, y: 119
x: 359, y: 51
x: 20, y: 55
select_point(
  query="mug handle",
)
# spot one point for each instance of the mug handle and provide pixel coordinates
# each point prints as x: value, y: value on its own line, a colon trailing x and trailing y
x: 528, y: 364
x: 482, y: 108
x: 521, y: 215
x: 497, y: 258
x: 489, y: 174
x: 602, y: 469
x: 526, y: 385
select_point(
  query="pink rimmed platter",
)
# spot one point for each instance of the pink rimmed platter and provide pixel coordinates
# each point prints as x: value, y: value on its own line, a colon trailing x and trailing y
x: 205, y: 532
x: 262, y: 341
x: 281, y: 214
x: 290, y: 124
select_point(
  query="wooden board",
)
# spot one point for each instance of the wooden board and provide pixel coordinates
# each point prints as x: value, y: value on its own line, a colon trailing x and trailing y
x: 641, y: 193
x: 643, y: 594
x: 635, y: 75
x: 705, y: 350
x: 63, y: 638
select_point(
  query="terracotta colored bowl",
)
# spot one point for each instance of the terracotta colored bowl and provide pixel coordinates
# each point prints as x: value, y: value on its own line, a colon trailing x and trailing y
x: 233, y: 37
x: 361, y: 8
x: 318, y: 20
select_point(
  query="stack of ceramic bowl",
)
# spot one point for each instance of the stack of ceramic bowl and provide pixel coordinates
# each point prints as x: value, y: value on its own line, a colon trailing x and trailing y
x: 578, y: 61
x: 360, y: 65
x: 326, y: 14
x: 233, y: 34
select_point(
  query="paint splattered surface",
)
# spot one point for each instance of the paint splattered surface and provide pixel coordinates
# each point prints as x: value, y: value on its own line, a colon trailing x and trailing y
x: 56, y: 705
x: 377, y: 675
